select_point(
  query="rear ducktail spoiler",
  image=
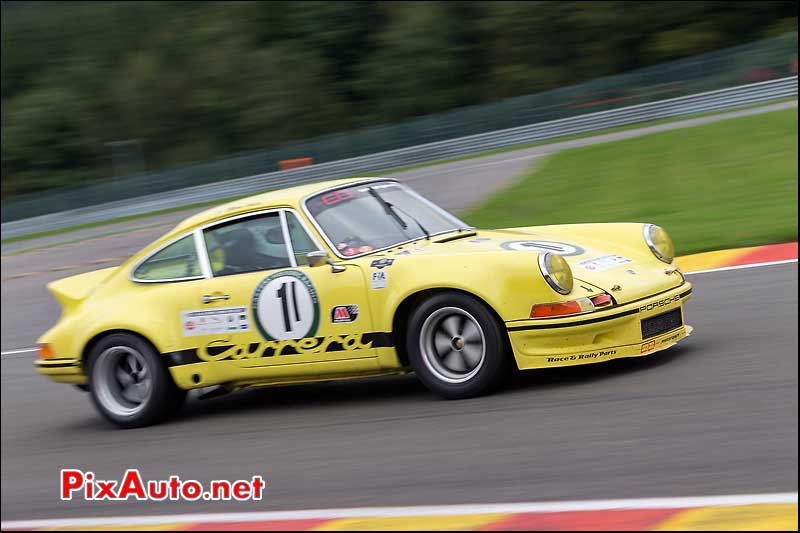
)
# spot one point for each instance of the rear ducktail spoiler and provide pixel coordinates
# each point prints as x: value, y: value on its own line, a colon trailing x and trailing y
x: 71, y: 291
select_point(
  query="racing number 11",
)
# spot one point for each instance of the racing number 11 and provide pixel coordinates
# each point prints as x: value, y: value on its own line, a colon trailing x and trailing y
x: 288, y: 304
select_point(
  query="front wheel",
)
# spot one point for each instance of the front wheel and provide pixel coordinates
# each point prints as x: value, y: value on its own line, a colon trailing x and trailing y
x: 129, y: 383
x: 457, y: 347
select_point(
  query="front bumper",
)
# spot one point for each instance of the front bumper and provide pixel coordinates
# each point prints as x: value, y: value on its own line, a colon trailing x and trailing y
x: 62, y: 370
x: 598, y: 336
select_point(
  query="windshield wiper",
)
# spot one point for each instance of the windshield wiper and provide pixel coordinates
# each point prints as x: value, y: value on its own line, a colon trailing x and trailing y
x: 387, y: 207
x: 392, y: 209
x: 412, y: 217
x: 457, y: 236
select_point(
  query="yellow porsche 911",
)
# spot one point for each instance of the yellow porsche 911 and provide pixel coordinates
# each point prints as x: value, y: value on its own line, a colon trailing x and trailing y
x: 352, y: 278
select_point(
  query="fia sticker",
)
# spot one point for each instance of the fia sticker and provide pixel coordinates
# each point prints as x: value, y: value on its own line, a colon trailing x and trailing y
x: 605, y: 262
x: 344, y: 313
x: 553, y: 247
x: 380, y: 279
x: 214, y: 321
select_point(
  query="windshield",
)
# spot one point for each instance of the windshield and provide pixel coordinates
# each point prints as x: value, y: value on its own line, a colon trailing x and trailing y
x: 372, y: 216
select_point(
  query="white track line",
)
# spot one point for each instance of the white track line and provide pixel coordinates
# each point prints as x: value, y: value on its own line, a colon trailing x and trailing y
x: 739, y: 267
x: 428, y: 510
x: 21, y: 350
x: 721, y: 269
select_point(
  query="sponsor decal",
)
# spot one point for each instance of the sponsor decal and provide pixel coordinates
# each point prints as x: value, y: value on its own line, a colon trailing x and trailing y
x: 380, y: 280
x: 344, y: 313
x: 286, y: 306
x: 333, y: 198
x: 605, y: 262
x: 670, y: 338
x: 661, y: 303
x: 581, y: 357
x: 646, y: 347
x: 411, y: 251
x: 214, y: 321
x: 381, y: 263
x: 559, y: 248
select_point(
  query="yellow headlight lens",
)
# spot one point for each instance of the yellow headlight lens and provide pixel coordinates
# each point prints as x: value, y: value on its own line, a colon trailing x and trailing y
x: 659, y: 243
x: 556, y: 272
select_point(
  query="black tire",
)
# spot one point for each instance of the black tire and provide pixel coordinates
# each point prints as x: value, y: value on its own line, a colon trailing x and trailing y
x: 434, y: 321
x: 107, y: 362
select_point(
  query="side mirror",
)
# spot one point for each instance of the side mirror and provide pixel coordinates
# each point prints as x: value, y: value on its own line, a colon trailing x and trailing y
x: 319, y: 258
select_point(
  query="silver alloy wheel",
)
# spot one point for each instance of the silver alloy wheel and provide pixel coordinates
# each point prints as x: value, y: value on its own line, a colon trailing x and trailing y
x: 122, y: 381
x: 452, y: 344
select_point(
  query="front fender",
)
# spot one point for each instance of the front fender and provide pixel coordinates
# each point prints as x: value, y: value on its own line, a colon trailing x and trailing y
x: 509, y: 283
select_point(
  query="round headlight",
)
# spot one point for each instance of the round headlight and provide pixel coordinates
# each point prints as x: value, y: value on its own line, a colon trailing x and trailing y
x: 556, y: 272
x: 659, y: 242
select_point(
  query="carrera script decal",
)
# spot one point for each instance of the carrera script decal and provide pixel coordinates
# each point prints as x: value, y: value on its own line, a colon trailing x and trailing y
x: 220, y: 350
x: 559, y: 248
x: 286, y: 306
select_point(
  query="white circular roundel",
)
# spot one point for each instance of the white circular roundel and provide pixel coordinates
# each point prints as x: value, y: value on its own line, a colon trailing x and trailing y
x: 286, y: 306
x: 558, y: 248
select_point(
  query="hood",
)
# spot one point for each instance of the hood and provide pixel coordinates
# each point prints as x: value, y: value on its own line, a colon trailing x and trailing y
x: 71, y: 291
x: 600, y: 262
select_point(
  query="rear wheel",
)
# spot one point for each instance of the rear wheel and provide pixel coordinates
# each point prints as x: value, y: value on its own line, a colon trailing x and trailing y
x: 129, y: 383
x: 457, y: 347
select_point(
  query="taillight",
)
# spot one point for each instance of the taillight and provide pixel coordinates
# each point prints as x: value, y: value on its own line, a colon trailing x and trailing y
x: 46, y: 352
x: 573, y: 307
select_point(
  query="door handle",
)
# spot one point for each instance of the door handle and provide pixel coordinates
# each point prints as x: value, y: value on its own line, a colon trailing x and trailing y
x: 208, y: 298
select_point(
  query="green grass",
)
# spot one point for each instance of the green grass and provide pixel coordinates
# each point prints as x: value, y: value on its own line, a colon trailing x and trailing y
x: 400, y: 169
x: 721, y: 185
x: 589, y: 134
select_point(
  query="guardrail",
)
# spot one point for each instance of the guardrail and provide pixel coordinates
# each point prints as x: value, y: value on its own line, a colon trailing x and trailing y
x: 742, y: 95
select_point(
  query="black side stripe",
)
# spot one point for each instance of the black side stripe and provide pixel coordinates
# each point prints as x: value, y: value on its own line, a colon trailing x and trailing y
x: 589, y: 321
x: 187, y: 357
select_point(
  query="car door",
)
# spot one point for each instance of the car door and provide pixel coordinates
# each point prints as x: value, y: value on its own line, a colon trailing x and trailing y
x: 267, y: 312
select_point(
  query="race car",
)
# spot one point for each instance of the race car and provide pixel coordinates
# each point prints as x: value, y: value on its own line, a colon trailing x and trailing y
x: 354, y: 278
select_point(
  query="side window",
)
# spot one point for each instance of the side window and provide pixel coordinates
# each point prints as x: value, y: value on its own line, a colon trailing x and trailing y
x: 176, y: 261
x: 301, y: 242
x: 247, y: 245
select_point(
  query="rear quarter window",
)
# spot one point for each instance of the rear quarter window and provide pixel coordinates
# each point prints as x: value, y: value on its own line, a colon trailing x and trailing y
x: 176, y: 261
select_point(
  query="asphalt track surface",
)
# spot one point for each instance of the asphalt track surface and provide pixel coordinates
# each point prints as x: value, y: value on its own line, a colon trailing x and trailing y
x: 716, y: 415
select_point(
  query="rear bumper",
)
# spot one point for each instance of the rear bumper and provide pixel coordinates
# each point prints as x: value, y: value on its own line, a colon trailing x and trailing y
x: 61, y: 370
x: 598, y: 336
